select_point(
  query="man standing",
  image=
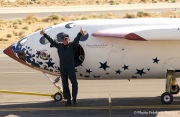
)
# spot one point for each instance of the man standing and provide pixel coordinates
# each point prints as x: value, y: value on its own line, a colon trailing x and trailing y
x: 66, y: 51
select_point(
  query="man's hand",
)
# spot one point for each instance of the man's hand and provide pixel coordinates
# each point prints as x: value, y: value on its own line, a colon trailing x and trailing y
x: 82, y: 31
x: 42, y: 32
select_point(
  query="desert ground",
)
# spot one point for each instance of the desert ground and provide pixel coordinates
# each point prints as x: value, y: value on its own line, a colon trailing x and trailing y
x: 13, y: 30
x: 20, y: 3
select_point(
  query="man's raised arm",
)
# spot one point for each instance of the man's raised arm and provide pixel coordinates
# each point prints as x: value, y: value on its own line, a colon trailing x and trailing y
x: 53, y: 42
x: 78, y: 37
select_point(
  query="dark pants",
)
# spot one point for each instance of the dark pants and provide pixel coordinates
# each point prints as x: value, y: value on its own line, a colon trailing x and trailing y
x: 72, y: 76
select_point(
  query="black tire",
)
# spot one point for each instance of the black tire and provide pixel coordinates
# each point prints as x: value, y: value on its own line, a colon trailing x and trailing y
x: 175, y: 89
x: 58, y: 97
x: 166, y: 98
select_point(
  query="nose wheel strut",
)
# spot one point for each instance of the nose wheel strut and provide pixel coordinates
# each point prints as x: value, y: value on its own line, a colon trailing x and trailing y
x: 59, y: 95
x: 171, y: 87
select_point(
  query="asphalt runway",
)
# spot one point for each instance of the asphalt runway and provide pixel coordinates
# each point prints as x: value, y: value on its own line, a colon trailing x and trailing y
x: 134, y: 98
x: 22, y: 12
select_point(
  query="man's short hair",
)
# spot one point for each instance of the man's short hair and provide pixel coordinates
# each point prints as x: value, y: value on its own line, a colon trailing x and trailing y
x: 64, y: 35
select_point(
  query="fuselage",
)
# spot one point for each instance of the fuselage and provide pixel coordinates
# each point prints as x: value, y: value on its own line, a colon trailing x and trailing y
x: 107, y: 57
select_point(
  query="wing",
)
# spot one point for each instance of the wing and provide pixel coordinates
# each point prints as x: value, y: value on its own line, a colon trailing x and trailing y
x: 142, y: 33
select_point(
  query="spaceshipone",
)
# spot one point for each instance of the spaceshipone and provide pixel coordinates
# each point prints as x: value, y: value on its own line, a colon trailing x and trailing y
x: 111, y: 48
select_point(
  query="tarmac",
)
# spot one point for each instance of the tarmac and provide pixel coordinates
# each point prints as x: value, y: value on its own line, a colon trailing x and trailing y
x: 134, y: 98
x: 22, y: 12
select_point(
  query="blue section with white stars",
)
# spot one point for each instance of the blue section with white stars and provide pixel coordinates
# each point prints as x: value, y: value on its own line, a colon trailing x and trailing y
x: 34, y: 59
x: 49, y: 64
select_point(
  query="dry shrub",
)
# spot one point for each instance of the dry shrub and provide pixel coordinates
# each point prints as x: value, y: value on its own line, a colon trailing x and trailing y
x: 74, y: 18
x: 84, y: 17
x: 21, y: 2
x: 15, y: 23
x: 175, y: 14
x: 166, y: 14
x: 31, y: 18
x: 108, y: 16
x: 112, y: 2
x: 48, y: 19
x: 22, y: 36
x: 154, y: 1
x: 19, y: 21
x: 54, y: 17
x: 4, y: 39
x: 15, y: 26
x: 173, y: 1
x: 94, y: 15
x: 143, y: 1
x: 143, y: 14
x: 129, y: 15
x: 21, y: 33
x: 15, y: 33
x: 38, y: 29
x: 51, y: 18
x: 25, y: 27
x: 1, y: 21
x: 55, y: 23
x: 64, y: 19
x: 9, y: 35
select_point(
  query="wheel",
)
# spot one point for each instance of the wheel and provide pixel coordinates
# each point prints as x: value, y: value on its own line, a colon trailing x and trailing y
x: 166, y: 98
x: 58, y: 97
x: 175, y: 89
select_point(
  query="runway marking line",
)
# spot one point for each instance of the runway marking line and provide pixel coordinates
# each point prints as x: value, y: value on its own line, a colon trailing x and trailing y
x: 18, y: 72
x: 89, y: 108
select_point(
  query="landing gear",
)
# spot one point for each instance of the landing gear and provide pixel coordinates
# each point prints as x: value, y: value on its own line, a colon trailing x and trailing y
x: 166, y: 98
x: 175, y: 89
x: 59, y: 95
x: 171, y: 87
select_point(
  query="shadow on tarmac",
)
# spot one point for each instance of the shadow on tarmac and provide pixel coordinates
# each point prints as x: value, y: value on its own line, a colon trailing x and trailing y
x: 148, y: 106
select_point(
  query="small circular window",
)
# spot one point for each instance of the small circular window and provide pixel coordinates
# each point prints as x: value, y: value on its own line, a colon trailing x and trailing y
x: 79, y: 56
x: 59, y: 36
x: 70, y: 25
x: 23, y: 41
x: 43, y: 40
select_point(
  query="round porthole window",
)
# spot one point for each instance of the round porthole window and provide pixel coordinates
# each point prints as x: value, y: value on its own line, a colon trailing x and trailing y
x: 79, y: 56
x: 59, y: 36
x: 43, y: 40
x: 70, y: 25
x: 23, y: 41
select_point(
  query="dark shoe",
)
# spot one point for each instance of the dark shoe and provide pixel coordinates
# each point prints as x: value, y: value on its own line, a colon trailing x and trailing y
x: 75, y: 101
x: 68, y: 103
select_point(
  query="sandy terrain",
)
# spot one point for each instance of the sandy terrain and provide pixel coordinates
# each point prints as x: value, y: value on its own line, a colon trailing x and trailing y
x: 13, y: 30
x: 20, y: 3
